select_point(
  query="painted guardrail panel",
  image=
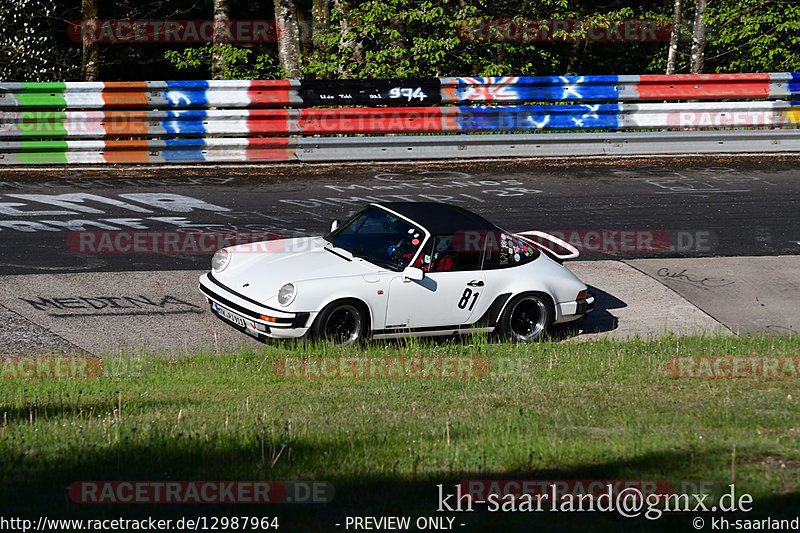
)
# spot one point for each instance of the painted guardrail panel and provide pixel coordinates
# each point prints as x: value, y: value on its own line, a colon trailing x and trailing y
x: 427, y: 91
x: 399, y: 148
x: 244, y: 122
x: 149, y: 151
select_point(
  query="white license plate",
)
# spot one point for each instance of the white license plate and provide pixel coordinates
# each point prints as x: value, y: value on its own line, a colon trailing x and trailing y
x: 230, y: 316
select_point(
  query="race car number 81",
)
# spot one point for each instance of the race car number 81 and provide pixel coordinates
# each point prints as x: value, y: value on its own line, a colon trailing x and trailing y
x: 464, y: 301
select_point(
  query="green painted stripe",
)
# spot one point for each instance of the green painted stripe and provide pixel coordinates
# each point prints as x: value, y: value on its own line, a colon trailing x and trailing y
x: 43, y: 124
x: 38, y: 152
x: 29, y: 100
x: 32, y: 86
x: 40, y: 95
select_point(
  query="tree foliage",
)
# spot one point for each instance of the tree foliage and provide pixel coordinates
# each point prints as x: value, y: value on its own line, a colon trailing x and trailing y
x: 399, y: 38
x: 240, y: 63
x: 33, y: 44
x: 755, y: 36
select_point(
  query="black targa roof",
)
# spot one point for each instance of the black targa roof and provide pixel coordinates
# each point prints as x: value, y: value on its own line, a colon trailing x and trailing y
x: 440, y: 219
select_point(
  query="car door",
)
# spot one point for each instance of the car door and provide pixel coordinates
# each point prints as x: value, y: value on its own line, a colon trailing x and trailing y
x: 452, y: 293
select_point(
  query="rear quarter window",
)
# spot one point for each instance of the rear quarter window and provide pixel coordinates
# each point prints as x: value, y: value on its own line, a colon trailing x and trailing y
x: 504, y: 250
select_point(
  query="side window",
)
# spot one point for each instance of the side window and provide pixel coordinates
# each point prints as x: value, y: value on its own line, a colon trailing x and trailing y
x: 504, y: 250
x: 445, y: 255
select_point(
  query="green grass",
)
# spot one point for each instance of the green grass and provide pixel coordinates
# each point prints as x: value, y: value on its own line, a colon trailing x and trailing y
x: 591, y: 410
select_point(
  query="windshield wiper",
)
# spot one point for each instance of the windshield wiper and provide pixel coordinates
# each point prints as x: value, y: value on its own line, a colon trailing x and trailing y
x: 364, y: 255
x: 337, y: 254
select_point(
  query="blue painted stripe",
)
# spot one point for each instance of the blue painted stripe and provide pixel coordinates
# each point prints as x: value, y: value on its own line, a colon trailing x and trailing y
x: 192, y: 149
x: 188, y: 84
x: 190, y: 122
x: 544, y: 88
x: 483, y: 118
x: 187, y: 93
x: 794, y: 84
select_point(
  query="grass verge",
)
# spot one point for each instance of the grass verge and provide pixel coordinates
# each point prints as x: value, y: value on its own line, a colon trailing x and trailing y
x: 598, y: 410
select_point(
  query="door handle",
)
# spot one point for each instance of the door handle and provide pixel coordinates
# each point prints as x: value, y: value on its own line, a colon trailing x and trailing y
x: 475, y: 283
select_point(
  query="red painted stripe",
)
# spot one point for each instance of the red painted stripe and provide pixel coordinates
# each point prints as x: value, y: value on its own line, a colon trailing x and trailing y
x: 386, y: 120
x: 269, y: 122
x: 703, y: 86
x: 125, y: 94
x: 271, y: 149
x: 264, y: 93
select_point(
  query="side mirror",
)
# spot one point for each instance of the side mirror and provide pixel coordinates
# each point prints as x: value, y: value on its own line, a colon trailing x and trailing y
x: 413, y: 273
x: 334, y: 225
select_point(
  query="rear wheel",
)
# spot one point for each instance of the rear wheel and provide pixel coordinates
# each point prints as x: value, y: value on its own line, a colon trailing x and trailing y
x: 527, y: 317
x: 342, y: 323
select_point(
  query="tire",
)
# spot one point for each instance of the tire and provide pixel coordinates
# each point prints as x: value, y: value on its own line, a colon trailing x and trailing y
x: 527, y: 317
x: 342, y: 323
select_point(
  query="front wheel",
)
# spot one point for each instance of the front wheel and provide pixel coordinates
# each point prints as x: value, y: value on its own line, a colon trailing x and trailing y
x: 342, y: 323
x: 527, y: 317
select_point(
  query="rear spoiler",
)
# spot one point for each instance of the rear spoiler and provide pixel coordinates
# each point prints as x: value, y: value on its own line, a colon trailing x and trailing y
x: 530, y: 236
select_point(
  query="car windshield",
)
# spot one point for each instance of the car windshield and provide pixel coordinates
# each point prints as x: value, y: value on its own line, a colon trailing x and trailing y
x: 379, y: 237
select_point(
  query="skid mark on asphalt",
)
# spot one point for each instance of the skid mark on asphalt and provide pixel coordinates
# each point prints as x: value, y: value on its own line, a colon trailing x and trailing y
x: 747, y: 294
x: 632, y: 303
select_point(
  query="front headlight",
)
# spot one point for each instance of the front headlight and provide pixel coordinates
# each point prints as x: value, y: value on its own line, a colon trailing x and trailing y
x: 286, y: 294
x: 220, y: 260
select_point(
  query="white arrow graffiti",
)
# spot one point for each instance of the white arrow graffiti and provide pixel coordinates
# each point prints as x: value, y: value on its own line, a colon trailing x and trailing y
x: 570, y: 89
x: 539, y: 125
x: 592, y: 111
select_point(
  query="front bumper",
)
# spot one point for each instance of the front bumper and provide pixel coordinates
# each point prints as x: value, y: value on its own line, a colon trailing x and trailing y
x: 249, y: 316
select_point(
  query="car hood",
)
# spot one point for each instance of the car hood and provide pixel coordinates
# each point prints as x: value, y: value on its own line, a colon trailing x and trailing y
x: 259, y: 270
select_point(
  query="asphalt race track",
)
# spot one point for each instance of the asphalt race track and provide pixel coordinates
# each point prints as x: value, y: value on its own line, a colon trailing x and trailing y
x: 694, y: 244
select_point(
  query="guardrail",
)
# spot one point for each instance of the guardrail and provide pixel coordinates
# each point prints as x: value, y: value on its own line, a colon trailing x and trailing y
x: 460, y: 119
x: 163, y: 121
x: 383, y: 148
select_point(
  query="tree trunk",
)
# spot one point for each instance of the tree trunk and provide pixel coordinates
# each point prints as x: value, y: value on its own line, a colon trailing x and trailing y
x: 320, y: 23
x: 674, y: 38
x: 304, y: 29
x: 348, y: 42
x: 320, y: 17
x: 699, y: 36
x: 90, y: 60
x: 288, y: 37
x: 572, y: 60
x: 221, y: 16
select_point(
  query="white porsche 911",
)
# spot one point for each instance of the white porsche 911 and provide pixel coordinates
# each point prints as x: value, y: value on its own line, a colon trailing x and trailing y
x: 398, y: 269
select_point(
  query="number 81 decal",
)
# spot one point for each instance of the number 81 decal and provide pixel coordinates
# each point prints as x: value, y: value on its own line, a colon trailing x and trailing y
x: 465, y: 299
